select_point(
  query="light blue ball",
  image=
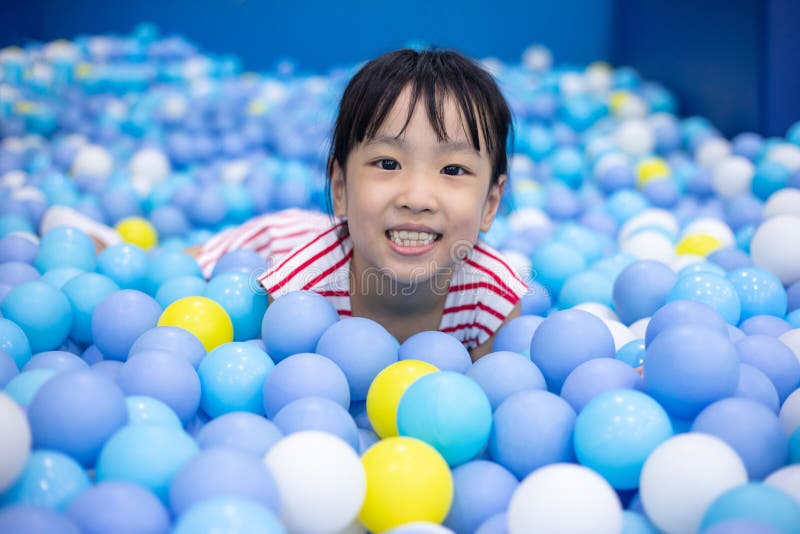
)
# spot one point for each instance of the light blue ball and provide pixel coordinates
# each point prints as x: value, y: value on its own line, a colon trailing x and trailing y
x: 755, y: 385
x: 641, y: 289
x: 232, y: 378
x: 41, y: 311
x: 119, y: 507
x: 125, y: 264
x: 437, y: 348
x: 565, y: 340
x: 636, y: 523
x: 516, y: 334
x: 304, y: 375
x: 554, y: 262
x: 14, y: 223
x: 169, y: 221
x: 26, y: 518
x: 223, y: 472
x: 8, y: 369
x: 244, y: 431
x: 317, y: 413
x: 295, y: 322
x: 755, y: 502
x: 57, y: 360
x: 24, y: 386
x: 501, y: 374
x: 517, y: 441
x: 60, y: 275
x: 770, y: 176
x: 775, y: 359
x: 537, y: 300
x: 613, y: 265
x: 244, y: 301
x: 243, y: 260
x: 689, y: 367
x: 450, y: 412
x: 716, y: 291
x: 366, y: 439
x: 362, y: 348
x: 143, y: 410
x: 14, y: 342
x: 481, y: 489
x: 616, y: 432
x: 626, y: 203
x: 167, y: 265
x: 165, y: 377
x: 178, y: 288
x: 228, y: 514
x: 85, y: 292
x: 751, y: 429
x: 588, y: 286
x: 633, y: 353
x: 148, y: 455
x: 760, y: 292
x: 595, y: 377
x: 176, y: 341
x: 50, y: 480
x: 65, y: 247
x: 120, y: 319
x: 682, y: 312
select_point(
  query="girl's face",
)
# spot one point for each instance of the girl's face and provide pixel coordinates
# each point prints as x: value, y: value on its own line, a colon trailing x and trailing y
x: 415, y: 204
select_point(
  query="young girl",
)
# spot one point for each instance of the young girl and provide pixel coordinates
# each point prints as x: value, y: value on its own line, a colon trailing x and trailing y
x: 417, y: 168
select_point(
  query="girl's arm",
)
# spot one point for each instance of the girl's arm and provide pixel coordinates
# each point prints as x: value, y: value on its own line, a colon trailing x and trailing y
x: 486, y: 348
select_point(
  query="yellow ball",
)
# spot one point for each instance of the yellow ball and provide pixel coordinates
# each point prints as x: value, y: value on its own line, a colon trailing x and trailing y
x: 698, y: 244
x: 138, y: 231
x: 407, y: 481
x: 650, y: 169
x: 386, y: 390
x: 201, y: 316
x: 617, y: 100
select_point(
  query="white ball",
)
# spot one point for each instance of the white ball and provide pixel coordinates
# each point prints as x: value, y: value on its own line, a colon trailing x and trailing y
x: 684, y: 260
x: 93, y: 160
x: 174, y: 107
x: 792, y: 340
x: 649, y: 245
x: 320, y: 480
x: 598, y: 78
x: 571, y: 83
x: 775, y: 246
x: 520, y: 164
x: 635, y: 137
x: 786, y: 479
x: 633, y: 107
x: 601, y: 311
x: 787, y: 154
x: 790, y: 413
x: 713, y: 227
x: 683, y: 476
x: 527, y: 218
x: 13, y: 179
x: 61, y: 50
x: 621, y: 333
x: 712, y: 151
x: 611, y: 159
x: 15, y: 441
x: 640, y: 327
x: 537, y: 57
x: 655, y: 217
x: 150, y: 162
x: 420, y: 527
x: 783, y: 202
x: 601, y: 144
x: 564, y: 498
x: 732, y: 176
x: 236, y: 171
x: 12, y: 54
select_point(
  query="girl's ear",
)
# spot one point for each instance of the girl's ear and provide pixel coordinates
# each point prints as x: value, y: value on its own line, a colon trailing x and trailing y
x: 492, y: 203
x: 338, y: 190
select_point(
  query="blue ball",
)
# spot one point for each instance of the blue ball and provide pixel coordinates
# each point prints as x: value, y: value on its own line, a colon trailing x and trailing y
x: 767, y: 325
x: 716, y: 291
x: 317, y: 413
x: 554, y: 262
x: 179, y: 287
x: 751, y: 429
x: 26, y: 518
x: 743, y: 211
x: 793, y: 319
x: 537, y: 300
x: 165, y: 377
x: 748, y: 145
x: 701, y: 268
x: 616, y: 432
x: 770, y: 176
x: 637, y: 523
x: 295, y: 322
x: 594, y: 377
x: 588, y: 286
x: 244, y: 431
x: 13, y: 223
x: 689, y: 367
x: 169, y: 221
x: 793, y: 296
x: 243, y: 260
x: 50, y: 480
x: 208, y: 208
x: 120, y: 319
x: 774, y: 359
x: 516, y: 335
x: 125, y: 264
x: 366, y: 439
x: 8, y: 369
x: 60, y: 275
x: 14, y: 273
x: 682, y: 312
x: 437, y: 348
x: 557, y: 349
x: 41, y: 311
x: 85, y: 292
x: 586, y: 241
x: 481, y: 489
x: 242, y: 299
x: 14, y: 342
x: 755, y: 385
x: 57, y: 360
x: 497, y: 524
x: 625, y: 203
x: 633, y: 353
x: 75, y: 412
x: 148, y: 455
x: 65, y: 247
x: 760, y: 503
x: 176, y: 341
x: 517, y: 441
x: 120, y: 201
x: 119, y: 507
x: 18, y: 248
x: 641, y: 289
x: 730, y: 258
x: 304, y: 375
x: 232, y: 378
x: 662, y: 193
x: 450, y: 412
x: 362, y: 348
x: 223, y: 472
x: 167, y: 265
x: 107, y: 368
x: 760, y: 292
x: 229, y: 514
x: 143, y: 410
x: 24, y: 386
x: 616, y: 177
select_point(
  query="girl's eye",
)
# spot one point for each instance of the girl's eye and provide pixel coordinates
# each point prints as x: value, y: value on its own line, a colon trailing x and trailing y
x: 388, y: 164
x: 454, y: 170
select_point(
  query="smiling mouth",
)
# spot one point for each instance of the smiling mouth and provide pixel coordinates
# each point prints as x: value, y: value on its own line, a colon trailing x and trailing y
x: 406, y: 238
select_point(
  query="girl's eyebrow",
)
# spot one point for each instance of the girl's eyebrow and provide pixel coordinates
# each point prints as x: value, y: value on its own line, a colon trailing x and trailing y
x: 442, y: 147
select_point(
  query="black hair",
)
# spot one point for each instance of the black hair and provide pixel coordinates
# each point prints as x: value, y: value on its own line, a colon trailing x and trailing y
x: 433, y: 75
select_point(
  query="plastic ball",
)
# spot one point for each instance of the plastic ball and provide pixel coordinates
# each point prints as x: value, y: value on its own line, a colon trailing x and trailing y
x: 41, y: 311
x: 232, y: 378
x: 554, y: 262
x: 295, y: 322
x: 57, y: 360
x: 783, y: 202
x: 15, y: 441
x: 8, y: 369
x: 241, y: 261
x: 180, y: 287
x: 143, y: 410
x: 18, y: 248
x: 120, y: 318
x: 537, y: 300
x: 245, y: 306
x: 314, y: 470
x: 711, y: 289
x: 775, y: 247
x: 775, y: 359
x: 760, y: 292
x: 172, y: 339
x: 503, y: 373
x: 730, y: 258
x: 201, y: 316
x: 755, y: 385
x: 497, y: 524
x: 564, y: 498
x: 683, y: 476
x: 85, y: 292
x: 14, y: 342
x: 169, y: 221
x: 14, y: 273
x: 683, y: 312
x: 641, y: 289
x: 407, y: 481
x: 27, y: 518
x: 118, y: 507
x: 50, y: 480
x: 481, y: 489
x: 760, y: 503
x: 229, y: 514
x: 786, y: 479
x: 304, y: 375
x: 317, y: 413
x: 93, y: 160
x: 125, y: 264
x: 732, y: 176
x: 137, y: 231
x: 588, y: 286
x: 65, y: 246
x: 169, y: 264
x: 387, y: 390
x: 595, y: 377
x: 148, y: 455
x: 441, y: 350
x: 770, y: 176
x: 24, y: 386
x: 244, y: 431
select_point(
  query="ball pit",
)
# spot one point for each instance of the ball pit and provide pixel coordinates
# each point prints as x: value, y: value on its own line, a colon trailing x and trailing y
x: 652, y: 246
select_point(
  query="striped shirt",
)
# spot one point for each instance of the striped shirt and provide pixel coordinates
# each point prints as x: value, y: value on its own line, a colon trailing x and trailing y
x: 311, y: 251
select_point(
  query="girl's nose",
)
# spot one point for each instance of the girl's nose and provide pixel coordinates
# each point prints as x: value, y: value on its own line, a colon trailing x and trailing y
x: 418, y: 193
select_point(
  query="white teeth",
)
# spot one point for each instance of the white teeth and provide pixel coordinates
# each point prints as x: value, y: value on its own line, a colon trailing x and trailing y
x: 406, y: 238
